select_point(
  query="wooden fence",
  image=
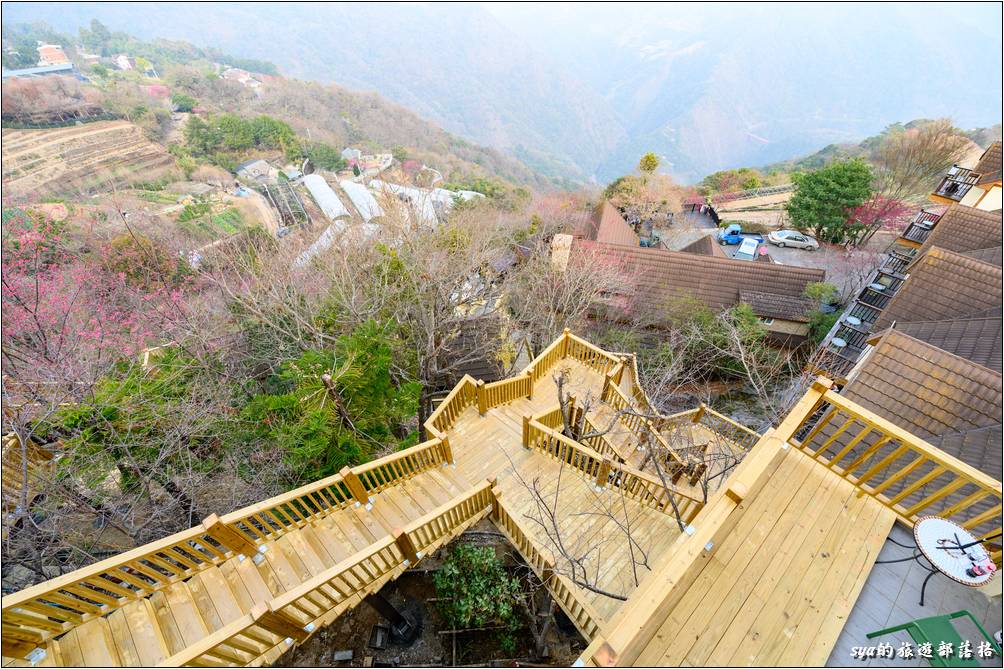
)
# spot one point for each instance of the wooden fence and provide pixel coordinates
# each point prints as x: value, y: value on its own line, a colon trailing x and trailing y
x: 900, y: 470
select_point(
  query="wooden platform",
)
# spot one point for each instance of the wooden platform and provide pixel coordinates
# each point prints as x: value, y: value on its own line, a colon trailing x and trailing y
x: 599, y: 525
x: 780, y: 587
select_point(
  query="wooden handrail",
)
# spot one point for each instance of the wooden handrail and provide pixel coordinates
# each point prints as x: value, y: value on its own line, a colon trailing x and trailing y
x: 547, y: 358
x: 902, y: 471
x: 638, y: 424
x: 633, y: 483
x: 299, y: 612
x: 445, y: 415
x: 541, y: 561
x: 104, y: 586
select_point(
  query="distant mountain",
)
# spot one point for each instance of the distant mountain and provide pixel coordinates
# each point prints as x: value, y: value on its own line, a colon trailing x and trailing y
x: 584, y: 90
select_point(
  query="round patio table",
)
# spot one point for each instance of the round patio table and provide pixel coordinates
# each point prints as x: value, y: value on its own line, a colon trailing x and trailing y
x: 947, y: 549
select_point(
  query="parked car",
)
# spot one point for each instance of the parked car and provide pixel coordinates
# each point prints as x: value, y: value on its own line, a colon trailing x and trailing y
x: 747, y: 249
x: 792, y: 238
x: 733, y: 234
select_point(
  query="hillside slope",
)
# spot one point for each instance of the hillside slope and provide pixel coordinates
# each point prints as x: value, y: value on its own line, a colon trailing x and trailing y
x: 78, y: 158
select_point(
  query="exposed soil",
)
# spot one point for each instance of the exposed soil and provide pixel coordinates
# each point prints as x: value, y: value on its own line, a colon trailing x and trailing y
x: 412, y: 593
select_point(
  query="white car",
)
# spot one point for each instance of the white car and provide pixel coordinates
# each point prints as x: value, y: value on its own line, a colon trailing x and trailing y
x: 792, y: 238
x: 747, y: 249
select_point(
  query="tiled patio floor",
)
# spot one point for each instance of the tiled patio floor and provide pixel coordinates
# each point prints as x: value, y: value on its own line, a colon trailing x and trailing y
x: 891, y: 596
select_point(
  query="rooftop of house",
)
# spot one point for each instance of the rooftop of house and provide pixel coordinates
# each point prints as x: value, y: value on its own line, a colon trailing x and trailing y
x: 705, y: 246
x: 989, y: 165
x: 944, y: 285
x: 975, y: 339
x: 606, y: 225
x: 963, y: 229
x: 925, y: 389
x: 657, y: 280
x: 772, y: 305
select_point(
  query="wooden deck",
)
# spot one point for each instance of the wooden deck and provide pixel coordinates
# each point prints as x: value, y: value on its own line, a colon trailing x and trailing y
x: 591, y: 522
x: 780, y: 587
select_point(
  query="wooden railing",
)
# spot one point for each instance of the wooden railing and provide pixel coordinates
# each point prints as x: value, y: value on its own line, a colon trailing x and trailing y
x: 445, y: 416
x: 35, y: 614
x: 578, y: 610
x: 588, y: 354
x: 497, y: 393
x: 605, y: 472
x: 548, y: 358
x: 740, y: 435
x: 295, y: 615
x: 641, y: 426
x: 900, y: 470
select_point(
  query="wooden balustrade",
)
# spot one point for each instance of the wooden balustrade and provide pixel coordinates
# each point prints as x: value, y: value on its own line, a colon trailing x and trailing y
x: 588, y: 354
x: 38, y: 613
x: 737, y: 434
x: 296, y: 614
x: 505, y: 391
x: 633, y: 483
x: 900, y: 470
x: 548, y: 358
x: 578, y: 610
x: 445, y: 416
x: 639, y: 425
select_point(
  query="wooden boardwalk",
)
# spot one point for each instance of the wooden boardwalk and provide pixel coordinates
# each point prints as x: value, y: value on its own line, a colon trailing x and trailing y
x: 765, y: 572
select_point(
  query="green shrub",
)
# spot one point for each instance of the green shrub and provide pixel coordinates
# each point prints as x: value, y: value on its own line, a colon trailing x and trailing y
x: 474, y: 590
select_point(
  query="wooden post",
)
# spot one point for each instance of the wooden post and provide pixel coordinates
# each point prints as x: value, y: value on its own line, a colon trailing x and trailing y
x: 547, y: 570
x: 529, y: 385
x: 620, y: 372
x: 355, y: 487
x: 496, y: 503
x: 565, y: 340
x: 404, y: 542
x: 699, y: 413
x: 482, y: 397
x: 229, y: 538
x: 279, y: 622
x: 447, y: 449
x: 603, y: 475
x: 605, y: 393
x: 526, y: 431
x: 605, y: 656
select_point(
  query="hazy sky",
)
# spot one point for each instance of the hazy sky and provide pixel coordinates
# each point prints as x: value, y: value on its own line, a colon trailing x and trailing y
x: 585, y: 88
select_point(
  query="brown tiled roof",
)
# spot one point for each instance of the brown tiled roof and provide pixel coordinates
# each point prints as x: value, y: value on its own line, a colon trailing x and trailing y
x: 980, y: 448
x: 993, y: 255
x: 606, y: 225
x: 989, y: 165
x: 705, y: 246
x: 657, y: 279
x: 944, y: 285
x: 772, y: 305
x: 975, y: 339
x: 924, y: 389
x: 965, y: 229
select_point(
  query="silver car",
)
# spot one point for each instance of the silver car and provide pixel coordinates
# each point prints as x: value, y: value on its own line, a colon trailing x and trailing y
x: 792, y: 238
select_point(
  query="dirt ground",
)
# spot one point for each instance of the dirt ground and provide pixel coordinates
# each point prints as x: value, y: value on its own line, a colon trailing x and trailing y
x: 412, y: 593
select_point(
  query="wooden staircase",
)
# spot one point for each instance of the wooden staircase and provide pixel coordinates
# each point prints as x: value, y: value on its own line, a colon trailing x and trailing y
x: 243, y: 588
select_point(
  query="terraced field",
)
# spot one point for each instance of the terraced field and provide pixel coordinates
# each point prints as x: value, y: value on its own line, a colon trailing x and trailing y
x: 80, y: 158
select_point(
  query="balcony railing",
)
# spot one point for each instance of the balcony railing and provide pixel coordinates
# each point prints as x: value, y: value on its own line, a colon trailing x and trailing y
x: 956, y: 183
x: 866, y: 313
x: 874, y: 297
x: 897, y: 261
